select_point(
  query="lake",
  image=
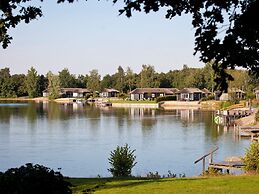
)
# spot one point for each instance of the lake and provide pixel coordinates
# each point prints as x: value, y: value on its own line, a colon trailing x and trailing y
x: 79, y: 138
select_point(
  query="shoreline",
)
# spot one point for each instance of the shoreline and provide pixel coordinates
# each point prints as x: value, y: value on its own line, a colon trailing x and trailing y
x: 38, y: 99
x: 167, y: 105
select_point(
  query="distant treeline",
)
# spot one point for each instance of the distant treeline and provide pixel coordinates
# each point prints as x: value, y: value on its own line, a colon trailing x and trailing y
x: 32, y: 84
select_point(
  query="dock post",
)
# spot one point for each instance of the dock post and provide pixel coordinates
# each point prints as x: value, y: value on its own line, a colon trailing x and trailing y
x: 211, y: 158
x: 203, y: 165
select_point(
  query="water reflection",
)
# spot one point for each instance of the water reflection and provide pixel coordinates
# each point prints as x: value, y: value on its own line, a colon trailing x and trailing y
x: 79, y: 137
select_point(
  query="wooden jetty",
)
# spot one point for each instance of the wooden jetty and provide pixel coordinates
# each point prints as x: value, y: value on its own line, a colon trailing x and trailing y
x: 229, y: 116
x: 228, y: 165
x: 249, y: 131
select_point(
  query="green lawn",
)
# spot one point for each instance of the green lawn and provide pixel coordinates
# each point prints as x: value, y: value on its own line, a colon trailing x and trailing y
x: 223, y: 184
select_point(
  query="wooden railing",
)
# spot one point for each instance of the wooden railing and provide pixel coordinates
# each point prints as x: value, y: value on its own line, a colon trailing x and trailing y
x: 204, y: 157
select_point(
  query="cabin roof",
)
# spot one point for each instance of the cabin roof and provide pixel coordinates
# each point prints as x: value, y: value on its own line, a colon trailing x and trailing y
x: 154, y: 90
x: 110, y: 90
x: 190, y: 90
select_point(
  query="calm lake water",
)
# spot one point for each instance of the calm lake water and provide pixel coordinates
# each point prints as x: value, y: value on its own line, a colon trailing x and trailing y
x: 78, y: 139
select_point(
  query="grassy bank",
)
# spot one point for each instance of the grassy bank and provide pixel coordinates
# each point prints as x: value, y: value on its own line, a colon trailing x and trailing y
x: 223, y: 184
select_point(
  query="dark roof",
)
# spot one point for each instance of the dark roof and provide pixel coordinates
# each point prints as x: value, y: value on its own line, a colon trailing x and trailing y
x: 190, y: 90
x: 174, y: 90
x: 110, y: 90
x: 169, y: 91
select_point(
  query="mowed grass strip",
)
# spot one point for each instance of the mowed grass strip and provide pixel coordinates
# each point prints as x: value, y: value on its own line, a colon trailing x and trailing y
x: 224, y: 184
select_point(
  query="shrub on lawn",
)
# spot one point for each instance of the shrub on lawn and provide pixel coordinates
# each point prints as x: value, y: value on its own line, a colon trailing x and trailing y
x: 122, y: 160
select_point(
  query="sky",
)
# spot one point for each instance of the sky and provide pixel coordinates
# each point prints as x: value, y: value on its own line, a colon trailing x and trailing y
x: 91, y: 35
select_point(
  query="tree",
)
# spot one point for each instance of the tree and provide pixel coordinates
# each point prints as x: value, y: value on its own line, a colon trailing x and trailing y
x: 130, y: 79
x: 208, y: 74
x: 18, y: 83
x: 107, y: 82
x: 31, y: 82
x: 5, y: 83
x: 165, y: 81
x: 251, y: 158
x: 226, y: 31
x: 30, y: 179
x: 53, y: 85
x: 148, y: 77
x: 240, y: 81
x: 93, y: 83
x: 66, y: 79
x: 81, y: 81
x: 42, y: 84
x: 122, y: 160
x: 119, y: 79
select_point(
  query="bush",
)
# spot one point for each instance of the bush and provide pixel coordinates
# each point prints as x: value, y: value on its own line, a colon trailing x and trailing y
x: 31, y: 179
x: 212, y: 172
x: 251, y: 158
x: 122, y: 160
x: 165, y: 98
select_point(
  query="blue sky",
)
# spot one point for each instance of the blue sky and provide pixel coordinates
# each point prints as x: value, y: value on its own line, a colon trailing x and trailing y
x: 90, y: 35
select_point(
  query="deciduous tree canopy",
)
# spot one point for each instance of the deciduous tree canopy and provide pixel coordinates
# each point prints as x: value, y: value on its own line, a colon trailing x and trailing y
x: 226, y: 32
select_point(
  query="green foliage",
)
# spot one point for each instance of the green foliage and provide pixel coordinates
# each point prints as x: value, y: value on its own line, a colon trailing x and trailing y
x: 165, y: 98
x: 53, y: 85
x: 32, y: 179
x: 119, y: 79
x: 6, y: 88
x: 212, y: 172
x: 148, y: 77
x: 107, y: 82
x: 66, y: 79
x: 11, y: 14
x: 130, y: 80
x: 93, y: 82
x: 236, y: 48
x: 251, y: 158
x: 122, y: 160
x: 42, y: 84
x: 31, y: 82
